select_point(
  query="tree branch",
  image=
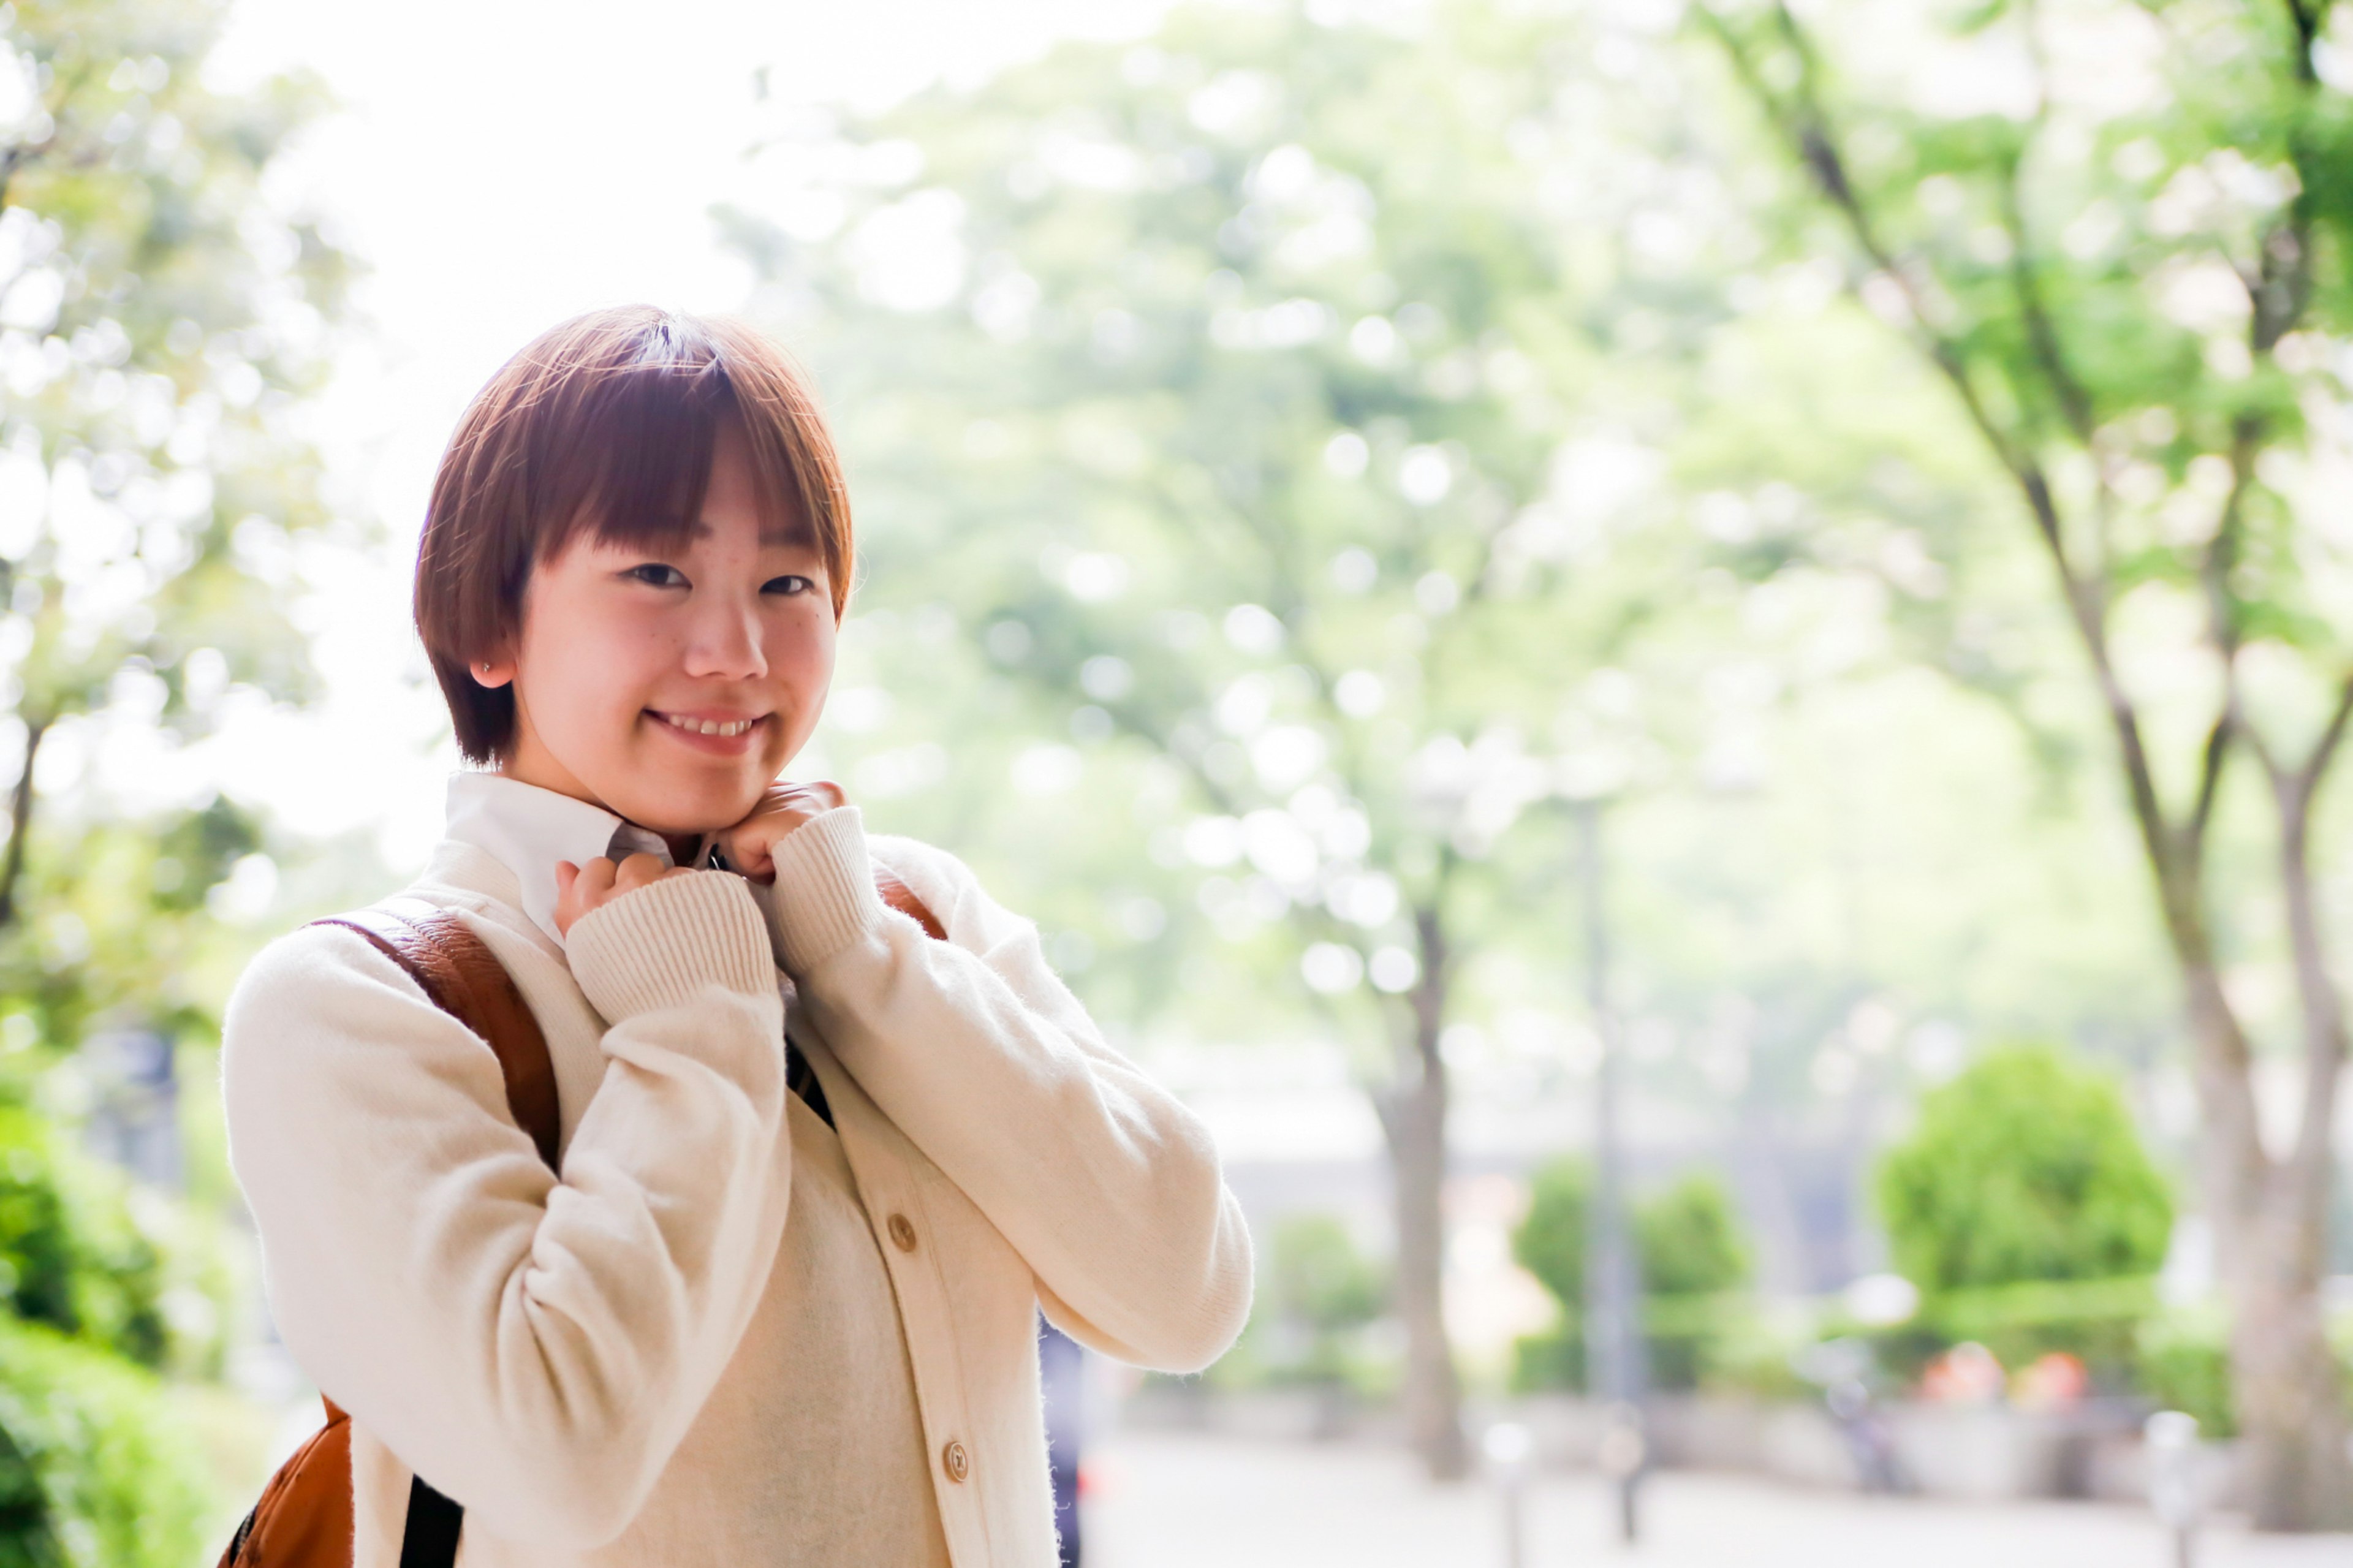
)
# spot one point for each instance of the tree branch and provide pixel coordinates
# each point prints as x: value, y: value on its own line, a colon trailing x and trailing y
x: 1800, y: 119
x: 2308, y: 779
x: 2041, y: 334
x: 20, y: 822
x: 2306, y: 17
x: 1805, y: 125
x: 2223, y: 629
x: 2211, y: 762
x: 2323, y: 1004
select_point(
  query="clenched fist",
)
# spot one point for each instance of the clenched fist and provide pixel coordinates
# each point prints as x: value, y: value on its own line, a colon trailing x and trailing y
x: 750, y: 845
x: 580, y: 889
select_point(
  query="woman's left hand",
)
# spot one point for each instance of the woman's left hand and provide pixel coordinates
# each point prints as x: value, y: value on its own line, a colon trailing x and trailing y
x: 750, y: 845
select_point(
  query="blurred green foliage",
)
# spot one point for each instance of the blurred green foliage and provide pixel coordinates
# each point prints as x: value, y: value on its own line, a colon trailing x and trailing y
x: 1689, y: 1248
x: 1212, y: 502
x: 1322, y: 1290
x: 69, y: 1254
x: 2024, y: 1169
x: 2185, y: 1364
x: 1688, y: 1235
x: 2025, y: 1166
x: 80, y: 1250
x: 166, y: 311
x: 1321, y: 1277
x: 96, y: 1472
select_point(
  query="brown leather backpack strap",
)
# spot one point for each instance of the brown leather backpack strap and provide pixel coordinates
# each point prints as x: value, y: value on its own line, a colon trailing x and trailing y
x: 902, y: 897
x: 466, y: 980
x: 303, y: 1518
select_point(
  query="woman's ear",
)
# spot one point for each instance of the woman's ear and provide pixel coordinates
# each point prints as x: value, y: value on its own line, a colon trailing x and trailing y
x: 494, y: 671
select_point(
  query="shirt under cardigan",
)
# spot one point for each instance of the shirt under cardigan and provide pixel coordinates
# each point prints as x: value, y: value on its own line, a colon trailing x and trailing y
x: 727, y: 1333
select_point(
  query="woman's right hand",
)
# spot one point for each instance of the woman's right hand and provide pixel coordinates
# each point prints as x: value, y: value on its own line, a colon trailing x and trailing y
x: 581, y: 888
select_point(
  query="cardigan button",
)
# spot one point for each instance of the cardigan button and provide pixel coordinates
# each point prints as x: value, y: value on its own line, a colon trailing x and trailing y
x: 902, y: 1235
x: 960, y: 1465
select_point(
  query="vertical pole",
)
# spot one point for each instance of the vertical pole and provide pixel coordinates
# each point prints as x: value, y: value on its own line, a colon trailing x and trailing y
x: 2176, y: 1480
x: 1613, y: 1344
x: 1510, y: 1447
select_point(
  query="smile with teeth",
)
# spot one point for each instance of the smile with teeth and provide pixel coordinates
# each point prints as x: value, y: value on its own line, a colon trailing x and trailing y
x: 706, y: 726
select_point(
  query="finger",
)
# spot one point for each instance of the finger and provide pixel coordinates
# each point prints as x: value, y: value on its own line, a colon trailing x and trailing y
x: 745, y: 845
x: 817, y: 795
x: 595, y: 878
x: 572, y: 900
x: 812, y: 797
x: 636, y: 871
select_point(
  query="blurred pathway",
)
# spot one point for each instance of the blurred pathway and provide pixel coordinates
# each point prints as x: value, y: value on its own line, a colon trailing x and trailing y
x: 1169, y: 1501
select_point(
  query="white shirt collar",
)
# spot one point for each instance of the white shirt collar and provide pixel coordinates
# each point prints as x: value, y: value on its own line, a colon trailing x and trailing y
x: 528, y: 829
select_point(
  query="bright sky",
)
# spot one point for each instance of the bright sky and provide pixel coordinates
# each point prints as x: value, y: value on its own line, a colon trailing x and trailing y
x: 499, y: 167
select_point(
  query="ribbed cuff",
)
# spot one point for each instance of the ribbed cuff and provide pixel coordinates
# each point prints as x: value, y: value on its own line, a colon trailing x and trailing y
x: 823, y: 896
x: 665, y: 943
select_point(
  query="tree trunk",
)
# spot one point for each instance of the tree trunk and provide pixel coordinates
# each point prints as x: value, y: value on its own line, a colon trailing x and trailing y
x: 2287, y: 1384
x: 2289, y: 1389
x: 1413, y: 1116
x: 2269, y: 1212
x: 20, y: 822
x: 2270, y: 1224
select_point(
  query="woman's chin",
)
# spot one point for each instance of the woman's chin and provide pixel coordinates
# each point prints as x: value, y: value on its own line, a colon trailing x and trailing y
x: 675, y: 812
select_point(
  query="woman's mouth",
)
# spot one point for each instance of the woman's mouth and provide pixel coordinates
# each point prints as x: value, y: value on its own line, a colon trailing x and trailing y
x: 724, y: 733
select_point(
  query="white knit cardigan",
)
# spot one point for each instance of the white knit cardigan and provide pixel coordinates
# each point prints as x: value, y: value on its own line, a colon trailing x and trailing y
x: 537, y: 1349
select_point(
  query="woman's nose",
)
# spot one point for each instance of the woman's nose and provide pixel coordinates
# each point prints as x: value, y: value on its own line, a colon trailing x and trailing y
x: 725, y: 643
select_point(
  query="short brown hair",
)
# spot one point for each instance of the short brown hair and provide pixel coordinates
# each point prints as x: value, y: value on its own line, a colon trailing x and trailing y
x: 608, y: 422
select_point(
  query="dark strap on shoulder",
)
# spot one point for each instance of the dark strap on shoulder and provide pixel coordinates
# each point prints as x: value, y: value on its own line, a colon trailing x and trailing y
x: 465, y: 980
x: 430, y: 1540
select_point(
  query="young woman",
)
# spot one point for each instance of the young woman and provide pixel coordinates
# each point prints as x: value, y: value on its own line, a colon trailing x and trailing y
x: 779, y: 1305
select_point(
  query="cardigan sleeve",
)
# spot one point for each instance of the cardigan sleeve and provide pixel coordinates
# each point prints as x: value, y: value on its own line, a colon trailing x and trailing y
x: 534, y: 1348
x: 1108, y: 1187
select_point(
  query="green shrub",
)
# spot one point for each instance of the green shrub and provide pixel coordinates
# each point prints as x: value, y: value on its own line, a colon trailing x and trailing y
x: 1320, y: 1294
x: 2185, y: 1364
x: 1688, y: 1238
x: 84, y: 1252
x: 95, y: 1471
x: 2024, y: 1167
x: 69, y: 1254
x: 1688, y: 1244
x: 1755, y: 1354
x: 1321, y: 1279
x: 1554, y: 1359
x: 1550, y: 1242
x: 1690, y: 1241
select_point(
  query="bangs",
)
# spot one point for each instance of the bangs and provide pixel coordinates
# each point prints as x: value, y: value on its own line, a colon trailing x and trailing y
x: 631, y: 464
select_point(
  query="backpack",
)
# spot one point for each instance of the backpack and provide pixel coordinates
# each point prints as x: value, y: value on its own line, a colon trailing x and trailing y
x: 303, y: 1518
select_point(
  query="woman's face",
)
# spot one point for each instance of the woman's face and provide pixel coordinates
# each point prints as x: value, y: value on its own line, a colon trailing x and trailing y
x: 670, y: 686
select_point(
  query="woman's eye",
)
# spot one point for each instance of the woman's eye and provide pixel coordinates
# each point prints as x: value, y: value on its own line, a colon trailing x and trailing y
x: 654, y: 573
x: 786, y: 585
